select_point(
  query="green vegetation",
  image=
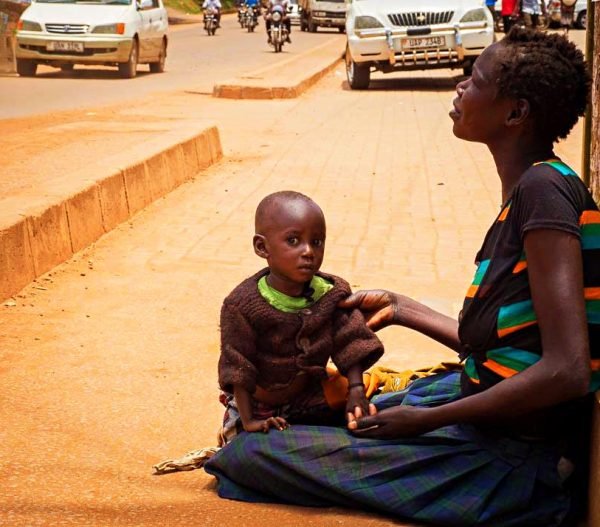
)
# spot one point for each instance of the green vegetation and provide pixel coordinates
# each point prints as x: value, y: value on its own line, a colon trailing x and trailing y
x: 192, y: 7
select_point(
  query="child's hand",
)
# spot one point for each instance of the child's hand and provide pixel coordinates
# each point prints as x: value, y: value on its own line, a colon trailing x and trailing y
x: 357, y: 405
x: 263, y: 426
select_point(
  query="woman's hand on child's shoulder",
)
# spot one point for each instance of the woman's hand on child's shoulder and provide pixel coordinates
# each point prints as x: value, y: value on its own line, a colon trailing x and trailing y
x: 379, y: 307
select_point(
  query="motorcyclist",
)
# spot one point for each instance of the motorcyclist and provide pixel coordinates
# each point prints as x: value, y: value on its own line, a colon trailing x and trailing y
x: 255, y: 5
x: 241, y: 6
x: 281, y: 5
x: 216, y: 6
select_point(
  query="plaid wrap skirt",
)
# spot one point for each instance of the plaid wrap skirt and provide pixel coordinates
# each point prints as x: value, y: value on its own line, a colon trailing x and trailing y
x: 454, y: 476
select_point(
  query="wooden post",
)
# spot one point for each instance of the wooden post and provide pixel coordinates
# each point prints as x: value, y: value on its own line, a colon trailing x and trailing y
x: 4, y: 52
x: 592, y: 138
x: 10, y: 11
x: 594, y: 113
x: 13, y: 42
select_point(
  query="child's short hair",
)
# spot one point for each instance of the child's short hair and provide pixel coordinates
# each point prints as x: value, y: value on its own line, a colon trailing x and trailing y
x: 267, y: 203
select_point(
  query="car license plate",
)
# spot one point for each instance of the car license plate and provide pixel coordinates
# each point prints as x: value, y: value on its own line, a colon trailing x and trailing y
x: 423, y: 42
x: 77, y: 47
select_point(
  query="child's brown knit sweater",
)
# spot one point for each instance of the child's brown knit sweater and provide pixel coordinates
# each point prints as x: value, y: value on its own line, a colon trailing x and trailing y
x: 262, y: 345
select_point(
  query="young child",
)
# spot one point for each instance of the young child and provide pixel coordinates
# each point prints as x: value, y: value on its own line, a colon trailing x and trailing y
x: 280, y: 327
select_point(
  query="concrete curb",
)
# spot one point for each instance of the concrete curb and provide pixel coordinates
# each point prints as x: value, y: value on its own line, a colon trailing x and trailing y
x: 51, y: 229
x: 282, y: 88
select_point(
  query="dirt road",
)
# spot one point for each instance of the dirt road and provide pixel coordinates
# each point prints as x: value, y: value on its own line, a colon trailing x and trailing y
x: 107, y: 363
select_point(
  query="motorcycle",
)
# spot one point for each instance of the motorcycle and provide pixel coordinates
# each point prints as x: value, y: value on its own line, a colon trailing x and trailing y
x: 242, y: 15
x: 250, y: 19
x: 278, y: 30
x: 210, y: 21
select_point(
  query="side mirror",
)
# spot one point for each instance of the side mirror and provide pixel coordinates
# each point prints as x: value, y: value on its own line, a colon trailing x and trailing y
x: 145, y: 4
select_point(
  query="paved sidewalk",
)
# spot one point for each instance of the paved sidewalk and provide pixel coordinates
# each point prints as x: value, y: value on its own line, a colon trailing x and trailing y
x: 108, y: 362
x: 88, y: 157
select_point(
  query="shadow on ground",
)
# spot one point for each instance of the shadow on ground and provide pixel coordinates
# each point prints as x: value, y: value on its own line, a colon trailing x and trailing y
x: 424, y: 84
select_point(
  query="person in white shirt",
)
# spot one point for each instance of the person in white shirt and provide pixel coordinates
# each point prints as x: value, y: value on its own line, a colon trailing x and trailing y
x: 216, y: 5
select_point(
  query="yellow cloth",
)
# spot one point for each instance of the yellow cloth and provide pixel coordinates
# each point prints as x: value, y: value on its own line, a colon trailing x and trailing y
x: 378, y: 379
x: 386, y: 380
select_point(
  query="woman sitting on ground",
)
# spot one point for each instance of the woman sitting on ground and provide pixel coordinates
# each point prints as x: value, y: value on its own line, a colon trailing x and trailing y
x: 495, y: 445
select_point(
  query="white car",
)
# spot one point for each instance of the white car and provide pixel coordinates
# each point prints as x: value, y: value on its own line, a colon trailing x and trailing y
x: 121, y: 33
x: 390, y: 35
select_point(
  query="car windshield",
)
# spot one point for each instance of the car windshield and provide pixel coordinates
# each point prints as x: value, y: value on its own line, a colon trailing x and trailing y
x: 96, y: 2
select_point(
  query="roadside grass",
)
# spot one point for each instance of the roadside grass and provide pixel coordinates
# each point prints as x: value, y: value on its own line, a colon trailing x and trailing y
x: 192, y: 7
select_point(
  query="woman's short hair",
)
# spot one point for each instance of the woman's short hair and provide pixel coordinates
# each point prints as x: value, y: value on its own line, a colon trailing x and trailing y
x: 550, y: 72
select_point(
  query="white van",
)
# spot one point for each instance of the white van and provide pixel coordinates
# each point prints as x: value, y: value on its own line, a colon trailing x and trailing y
x: 121, y: 33
x: 322, y: 13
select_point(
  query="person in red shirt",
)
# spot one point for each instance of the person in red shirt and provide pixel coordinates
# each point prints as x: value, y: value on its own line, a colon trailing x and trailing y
x: 509, y: 11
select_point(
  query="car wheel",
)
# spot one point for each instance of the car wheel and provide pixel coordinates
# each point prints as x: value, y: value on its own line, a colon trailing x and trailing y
x: 26, y: 67
x: 582, y: 19
x: 128, y: 70
x: 159, y: 66
x: 342, y: 29
x: 358, y: 75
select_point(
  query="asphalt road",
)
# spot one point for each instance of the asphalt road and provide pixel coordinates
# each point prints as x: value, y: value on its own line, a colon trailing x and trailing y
x: 195, y: 62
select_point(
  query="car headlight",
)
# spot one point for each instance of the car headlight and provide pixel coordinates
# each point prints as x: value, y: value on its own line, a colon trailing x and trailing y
x: 366, y: 22
x: 474, y: 15
x: 113, y: 29
x: 27, y: 25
